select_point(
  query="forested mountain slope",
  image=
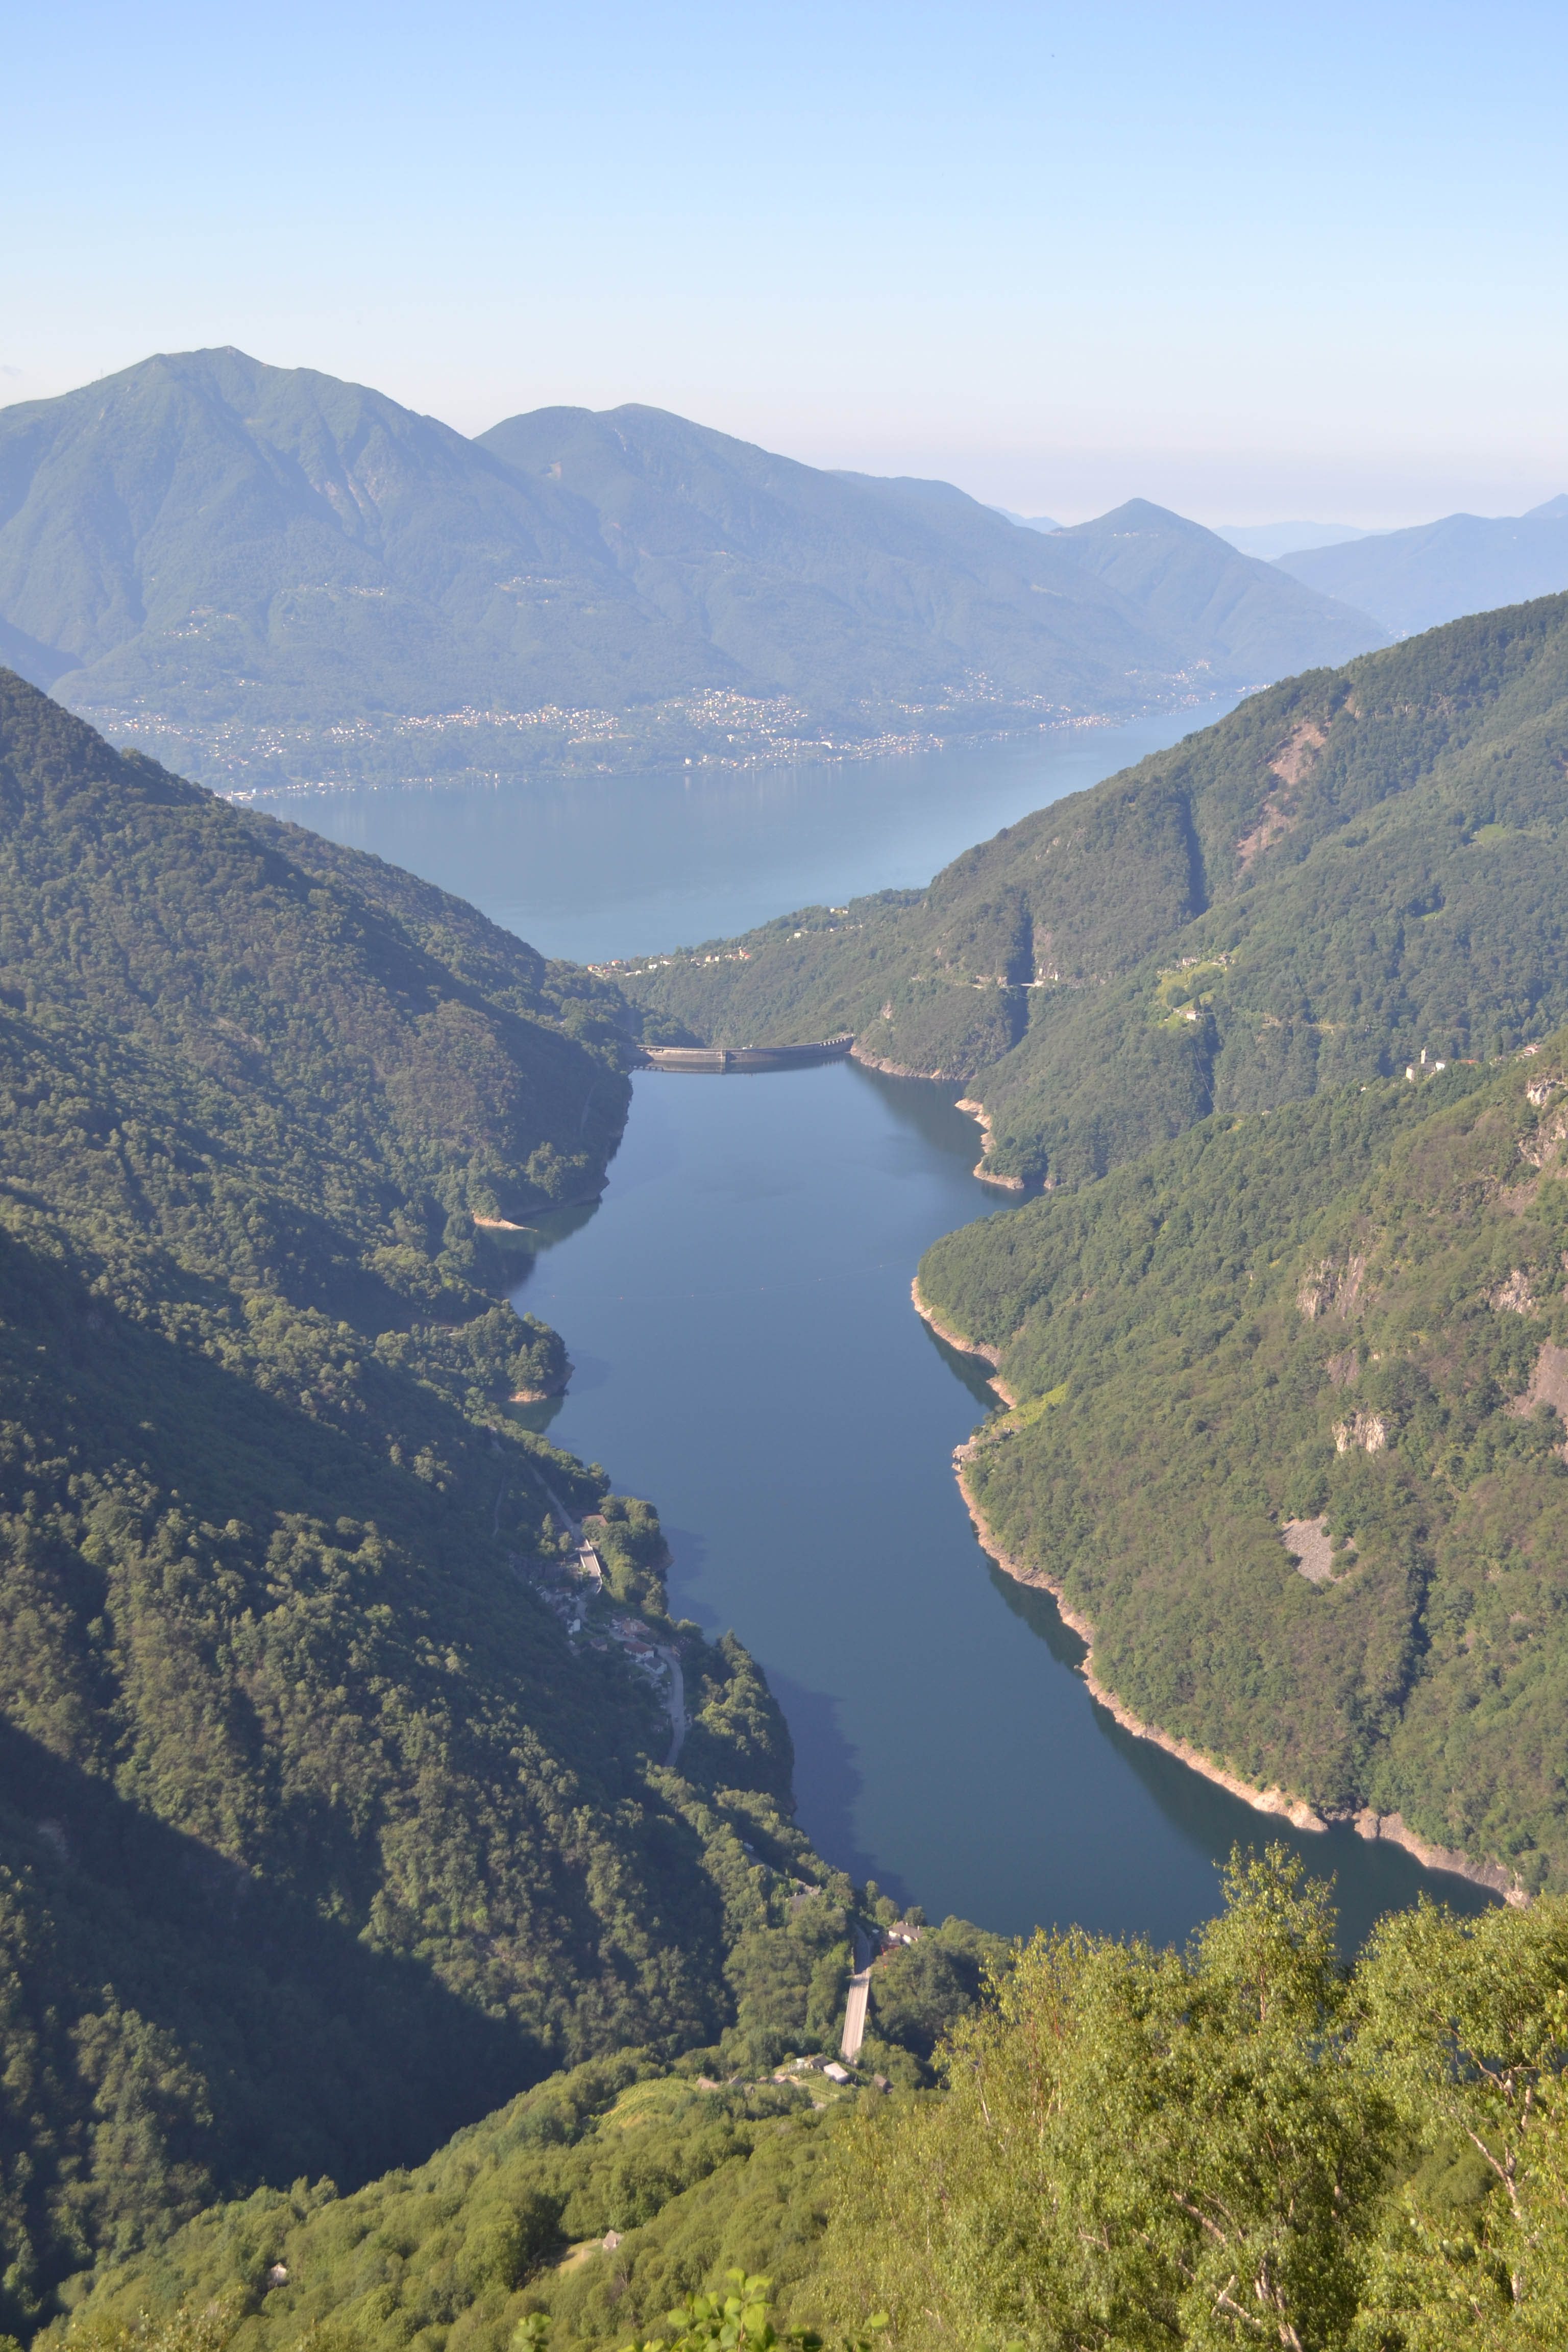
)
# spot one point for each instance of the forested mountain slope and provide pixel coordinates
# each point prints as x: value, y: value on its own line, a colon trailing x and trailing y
x: 681, y: 2182
x: 264, y: 575
x: 1352, y: 868
x: 1411, y: 580
x: 1241, y: 2143
x: 1292, y: 1392
x: 318, y: 1831
x: 656, y: 2179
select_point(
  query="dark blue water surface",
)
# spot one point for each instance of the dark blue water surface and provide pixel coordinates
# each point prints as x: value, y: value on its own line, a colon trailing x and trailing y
x: 737, y: 1308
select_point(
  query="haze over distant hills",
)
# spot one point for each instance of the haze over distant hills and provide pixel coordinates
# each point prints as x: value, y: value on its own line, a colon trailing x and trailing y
x: 1412, y: 580
x: 1210, y: 602
x: 1269, y: 540
x: 265, y: 575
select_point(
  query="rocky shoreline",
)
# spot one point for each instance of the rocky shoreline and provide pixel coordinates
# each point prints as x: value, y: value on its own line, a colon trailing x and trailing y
x: 986, y: 1175
x: 1367, y: 1823
x: 857, y: 1052
x: 1279, y: 1803
x: 965, y: 1103
x: 992, y: 1356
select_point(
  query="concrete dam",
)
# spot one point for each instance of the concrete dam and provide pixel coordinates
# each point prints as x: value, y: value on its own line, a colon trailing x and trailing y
x: 720, y: 1060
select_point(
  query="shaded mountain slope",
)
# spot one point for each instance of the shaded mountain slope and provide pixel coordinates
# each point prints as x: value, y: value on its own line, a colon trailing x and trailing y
x: 1411, y: 580
x: 1249, y: 2085
x: 284, y: 1007
x: 658, y: 2183
x: 263, y: 575
x: 1352, y: 868
x: 318, y: 1831
x: 655, y: 2181
x: 1333, y: 1335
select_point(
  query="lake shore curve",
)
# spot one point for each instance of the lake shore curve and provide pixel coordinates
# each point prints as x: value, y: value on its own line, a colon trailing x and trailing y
x: 1389, y: 1828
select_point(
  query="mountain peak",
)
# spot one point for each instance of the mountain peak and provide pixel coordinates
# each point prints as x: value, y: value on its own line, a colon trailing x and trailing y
x: 1219, y: 605
x: 1137, y: 515
x: 219, y: 557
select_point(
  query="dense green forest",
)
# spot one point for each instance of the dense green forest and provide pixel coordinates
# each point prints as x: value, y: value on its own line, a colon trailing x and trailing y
x: 321, y: 1831
x: 1354, y: 866
x: 1135, y: 2149
x: 335, y: 1821
x: 717, y: 2162
x: 1340, y: 1326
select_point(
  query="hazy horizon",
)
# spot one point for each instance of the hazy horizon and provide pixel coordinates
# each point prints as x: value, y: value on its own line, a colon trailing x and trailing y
x: 1250, y: 266
x: 1063, y: 512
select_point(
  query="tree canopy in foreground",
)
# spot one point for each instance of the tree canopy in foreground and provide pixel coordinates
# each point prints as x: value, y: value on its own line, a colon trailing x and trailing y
x: 1246, y: 2143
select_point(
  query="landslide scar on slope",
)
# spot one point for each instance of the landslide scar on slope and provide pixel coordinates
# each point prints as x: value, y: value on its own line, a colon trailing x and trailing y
x: 1547, y: 1385
x: 1289, y: 763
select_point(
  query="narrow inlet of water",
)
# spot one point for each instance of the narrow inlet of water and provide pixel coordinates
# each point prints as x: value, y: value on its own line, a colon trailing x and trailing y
x: 737, y: 1308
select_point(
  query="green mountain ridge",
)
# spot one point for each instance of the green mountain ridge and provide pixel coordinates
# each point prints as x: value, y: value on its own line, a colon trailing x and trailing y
x: 268, y: 577
x: 689, y: 2180
x: 598, y: 2198
x: 1352, y: 868
x: 318, y: 1830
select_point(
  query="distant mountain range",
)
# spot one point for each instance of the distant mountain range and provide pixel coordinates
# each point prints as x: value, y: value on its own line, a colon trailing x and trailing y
x: 1413, y: 580
x: 265, y: 576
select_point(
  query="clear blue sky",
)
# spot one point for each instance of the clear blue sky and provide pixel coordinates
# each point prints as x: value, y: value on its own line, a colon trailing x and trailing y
x: 1254, y: 261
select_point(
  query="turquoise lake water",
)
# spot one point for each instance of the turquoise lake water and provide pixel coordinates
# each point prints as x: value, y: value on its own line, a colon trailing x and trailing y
x: 738, y: 1309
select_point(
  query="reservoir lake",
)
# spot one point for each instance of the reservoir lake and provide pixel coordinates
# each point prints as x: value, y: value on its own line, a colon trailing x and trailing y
x: 738, y: 1310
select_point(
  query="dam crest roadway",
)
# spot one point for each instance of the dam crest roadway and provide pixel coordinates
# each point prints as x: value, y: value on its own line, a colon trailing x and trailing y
x: 717, y: 1060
